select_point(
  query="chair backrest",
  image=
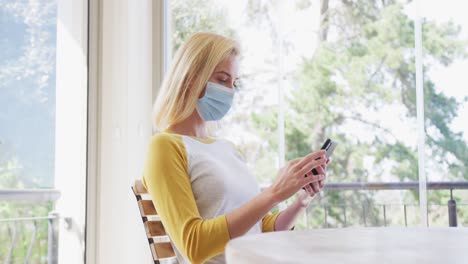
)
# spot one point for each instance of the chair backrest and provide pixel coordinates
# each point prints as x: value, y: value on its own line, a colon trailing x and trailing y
x: 158, y: 240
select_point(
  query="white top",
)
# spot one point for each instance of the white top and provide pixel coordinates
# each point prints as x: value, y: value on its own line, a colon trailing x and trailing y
x: 221, y: 182
x: 353, y: 245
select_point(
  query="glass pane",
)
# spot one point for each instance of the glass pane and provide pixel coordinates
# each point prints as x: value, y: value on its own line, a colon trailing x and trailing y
x: 344, y: 70
x: 27, y: 123
x: 445, y: 40
x: 28, y: 52
x: 27, y: 93
x: 256, y: 99
x: 353, y: 82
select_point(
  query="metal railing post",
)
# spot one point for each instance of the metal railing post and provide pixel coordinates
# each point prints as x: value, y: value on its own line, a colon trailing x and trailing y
x: 326, y: 216
x: 406, y: 218
x: 364, y: 214
x: 53, y: 227
x: 31, y: 243
x: 344, y: 216
x: 13, y: 242
x: 384, y: 215
x: 452, y: 211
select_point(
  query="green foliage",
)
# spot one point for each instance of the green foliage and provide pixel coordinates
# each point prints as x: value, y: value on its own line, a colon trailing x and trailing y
x: 24, y: 230
x: 196, y: 16
x: 10, y: 171
x: 370, y: 65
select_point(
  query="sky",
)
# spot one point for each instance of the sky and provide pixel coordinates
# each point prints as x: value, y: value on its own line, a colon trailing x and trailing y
x: 27, y: 88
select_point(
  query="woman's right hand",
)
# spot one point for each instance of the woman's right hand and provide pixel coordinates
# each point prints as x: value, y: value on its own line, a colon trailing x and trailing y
x: 292, y: 177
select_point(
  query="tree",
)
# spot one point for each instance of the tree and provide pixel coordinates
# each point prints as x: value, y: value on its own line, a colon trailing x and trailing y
x: 189, y: 17
x: 363, y: 67
x: 367, y: 65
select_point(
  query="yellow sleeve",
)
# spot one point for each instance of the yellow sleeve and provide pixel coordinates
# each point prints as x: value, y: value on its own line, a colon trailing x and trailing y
x: 166, y: 179
x: 268, y: 222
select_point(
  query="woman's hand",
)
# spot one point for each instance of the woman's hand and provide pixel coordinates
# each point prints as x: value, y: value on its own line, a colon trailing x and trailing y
x: 315, y: 187
x: 311, y: 190
x: 297, y: 174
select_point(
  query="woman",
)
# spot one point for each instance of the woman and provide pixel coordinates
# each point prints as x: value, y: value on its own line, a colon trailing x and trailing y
x: 199, y: 185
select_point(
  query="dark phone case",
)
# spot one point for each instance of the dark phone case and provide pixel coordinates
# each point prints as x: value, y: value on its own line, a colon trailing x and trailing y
x: 325, y: 145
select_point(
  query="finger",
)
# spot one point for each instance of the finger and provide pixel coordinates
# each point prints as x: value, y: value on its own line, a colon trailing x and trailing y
x: 315, y: 187
x: 325, y: 166
x: 308, y: 167
x: 311, y: 163
x: 321, y: 184
x: 328, y: 160
x: 309, y: 173
x: 311, y: 157
x: 324, y: 169
x: 311, y: 179
x: 309, y: 190
x: 320, y: 170
x: 295, y: 161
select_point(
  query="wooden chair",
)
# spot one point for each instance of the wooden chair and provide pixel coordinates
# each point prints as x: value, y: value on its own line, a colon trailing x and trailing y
x: 158, y: 240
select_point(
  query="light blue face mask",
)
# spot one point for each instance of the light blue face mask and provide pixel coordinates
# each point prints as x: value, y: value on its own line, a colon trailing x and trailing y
x: 215, y: 103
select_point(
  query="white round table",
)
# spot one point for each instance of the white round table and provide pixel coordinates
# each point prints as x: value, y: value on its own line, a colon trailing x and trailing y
x: 353, y: 245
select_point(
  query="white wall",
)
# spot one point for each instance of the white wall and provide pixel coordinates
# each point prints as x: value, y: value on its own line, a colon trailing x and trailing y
x: 124, y: 127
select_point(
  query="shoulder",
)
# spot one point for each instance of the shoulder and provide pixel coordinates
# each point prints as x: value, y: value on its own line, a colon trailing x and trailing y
x: 166, y: 142
x: 166, y: 139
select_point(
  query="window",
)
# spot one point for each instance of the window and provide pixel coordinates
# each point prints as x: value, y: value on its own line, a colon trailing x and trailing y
x: 346, y: 70
x: 445, y: 58
x: 36, y: 40
x: 27, y: 130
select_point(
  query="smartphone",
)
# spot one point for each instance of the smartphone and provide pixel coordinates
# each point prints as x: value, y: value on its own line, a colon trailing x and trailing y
x: 329, y: 146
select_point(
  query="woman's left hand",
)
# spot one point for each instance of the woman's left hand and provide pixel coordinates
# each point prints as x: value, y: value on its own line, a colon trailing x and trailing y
x: 310, y: 191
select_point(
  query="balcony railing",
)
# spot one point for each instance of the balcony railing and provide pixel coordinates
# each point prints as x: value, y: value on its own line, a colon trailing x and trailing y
x: 53, y: 218
x: 378, y: 186
x: 52, y: 222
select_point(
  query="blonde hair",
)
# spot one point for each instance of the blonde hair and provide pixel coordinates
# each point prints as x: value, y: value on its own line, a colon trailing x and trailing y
x: 193, y: 65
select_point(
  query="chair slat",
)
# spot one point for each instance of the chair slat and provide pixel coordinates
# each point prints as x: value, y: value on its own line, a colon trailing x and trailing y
x: 154, y: 228
x: 162, y: 250
x: 151, y: 218
x: 159, y: 242
x: 138, y: 188
x: 147, y: 208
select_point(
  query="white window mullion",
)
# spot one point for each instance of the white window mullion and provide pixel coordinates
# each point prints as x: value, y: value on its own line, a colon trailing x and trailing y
x: 71, y: 127
x: 420, y: 124
x: 161, y: 42
x: 281, y: 133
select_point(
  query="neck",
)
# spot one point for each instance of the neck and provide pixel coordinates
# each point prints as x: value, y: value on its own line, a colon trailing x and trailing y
x: 191, y: 126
